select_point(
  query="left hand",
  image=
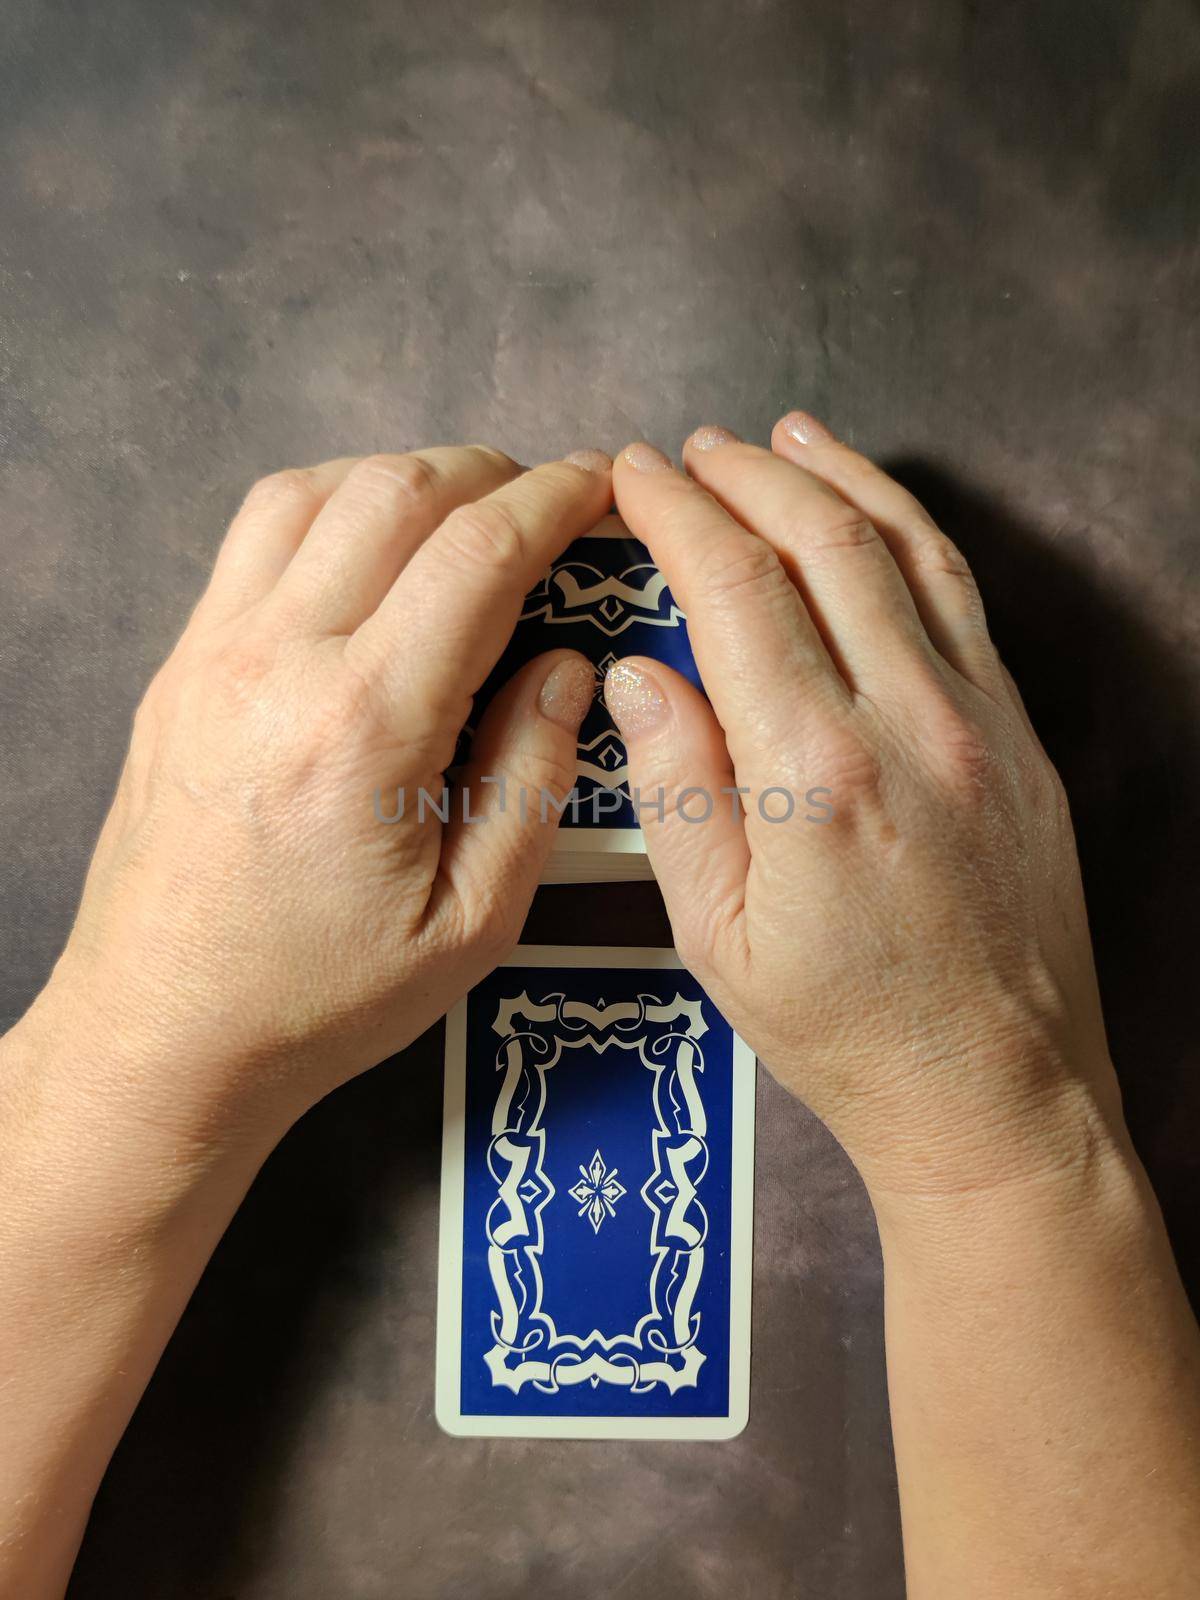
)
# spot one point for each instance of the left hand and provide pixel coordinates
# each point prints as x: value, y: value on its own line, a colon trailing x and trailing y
x: 251, y: 933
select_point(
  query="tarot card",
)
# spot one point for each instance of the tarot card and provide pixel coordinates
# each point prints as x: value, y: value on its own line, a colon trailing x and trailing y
x: 605, y: 598
x: 597, y: 1192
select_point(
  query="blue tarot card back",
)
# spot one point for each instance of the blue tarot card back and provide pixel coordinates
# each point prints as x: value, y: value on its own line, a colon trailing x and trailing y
x: 605, y: 1195
x: 605, y: 598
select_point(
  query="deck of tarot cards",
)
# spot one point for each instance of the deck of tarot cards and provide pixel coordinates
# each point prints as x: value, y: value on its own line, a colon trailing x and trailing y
x: 605, y: 598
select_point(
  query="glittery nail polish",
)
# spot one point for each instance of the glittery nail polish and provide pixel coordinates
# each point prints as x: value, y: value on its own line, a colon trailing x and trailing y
x: 635, y: 700
x: 567, y: 692
x: 711, y: 438
x: 644, y: 457
x: 805, y: 429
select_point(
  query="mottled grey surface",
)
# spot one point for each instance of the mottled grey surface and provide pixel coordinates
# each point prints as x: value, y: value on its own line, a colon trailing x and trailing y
x: 234, y: 236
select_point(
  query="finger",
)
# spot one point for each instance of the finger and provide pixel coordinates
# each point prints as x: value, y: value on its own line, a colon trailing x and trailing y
x: 763, y: 663
x: 689, y: 808
x: 265, y: 535
x: 851, y: 586
x: 383, y: 510
x: 938, y: 577
x: 443, y: 624
x: 506, y: 812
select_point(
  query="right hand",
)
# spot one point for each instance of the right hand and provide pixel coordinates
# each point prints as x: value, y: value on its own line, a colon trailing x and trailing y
x: 918, y: 970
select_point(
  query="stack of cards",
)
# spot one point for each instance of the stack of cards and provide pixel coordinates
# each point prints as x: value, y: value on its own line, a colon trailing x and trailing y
x: 598, y: 1155
x: 597, y: 1180
x: 605, y: 598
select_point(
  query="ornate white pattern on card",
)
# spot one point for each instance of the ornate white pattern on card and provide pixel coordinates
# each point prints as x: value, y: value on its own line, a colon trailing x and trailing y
x: 663, y: 1345
x: 575, y: 591
x: 597, y: 1191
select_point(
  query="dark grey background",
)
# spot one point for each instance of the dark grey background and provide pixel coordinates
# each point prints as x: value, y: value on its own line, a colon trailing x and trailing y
x: 236, y: 236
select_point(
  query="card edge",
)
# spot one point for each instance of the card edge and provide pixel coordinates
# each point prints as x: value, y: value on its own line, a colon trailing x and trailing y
x: 448, y: 1411
x: 451, y: 1197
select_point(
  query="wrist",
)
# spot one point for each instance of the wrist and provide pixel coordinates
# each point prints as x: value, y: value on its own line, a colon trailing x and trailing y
x: 109, y: 1215
x: 87, y: 1100
x: 180, y: 1057
x: 1040, y: 1190
x: 979, y: 1107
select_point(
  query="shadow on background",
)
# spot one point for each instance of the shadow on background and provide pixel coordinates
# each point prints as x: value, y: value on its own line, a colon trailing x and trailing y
x: 1120, y: 720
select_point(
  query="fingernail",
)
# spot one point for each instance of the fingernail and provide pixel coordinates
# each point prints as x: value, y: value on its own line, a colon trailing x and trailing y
x: 590, y: 460
x: 805, y: 429
x: 635, y: 700
x: 567, y: 692
x: 711, y: 438
x: 644, y: 457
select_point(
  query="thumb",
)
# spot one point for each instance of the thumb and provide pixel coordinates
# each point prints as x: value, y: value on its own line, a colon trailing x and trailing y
x: 522, y: 767
x: 683, y: 783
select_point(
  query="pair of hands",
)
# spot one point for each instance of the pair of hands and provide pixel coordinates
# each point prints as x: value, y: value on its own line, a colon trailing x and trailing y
x: 918, y: 970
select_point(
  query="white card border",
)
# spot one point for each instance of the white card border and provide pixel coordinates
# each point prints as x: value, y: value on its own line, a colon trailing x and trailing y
x: 448, y: 1406
x: 599, y: 841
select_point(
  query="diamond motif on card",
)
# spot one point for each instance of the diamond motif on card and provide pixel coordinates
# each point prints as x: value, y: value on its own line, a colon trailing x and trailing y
x: 597, y: 1192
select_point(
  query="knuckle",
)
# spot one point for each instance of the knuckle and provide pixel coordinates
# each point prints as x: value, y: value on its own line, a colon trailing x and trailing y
x: 551, y: 774
x: 850, y: 770
x: 495, y: 457
x: 287, y: 487
x: 410, y: 477
x: 485, y: 533
x: 743, y: 568
x: 236, y: 673
x: 348, y: 702
x: 555, y: 480
x: 814, y: 536
x: 973, y: 755
x: 967, y: 756
x: 936, y: 555
x: 538, y: 773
